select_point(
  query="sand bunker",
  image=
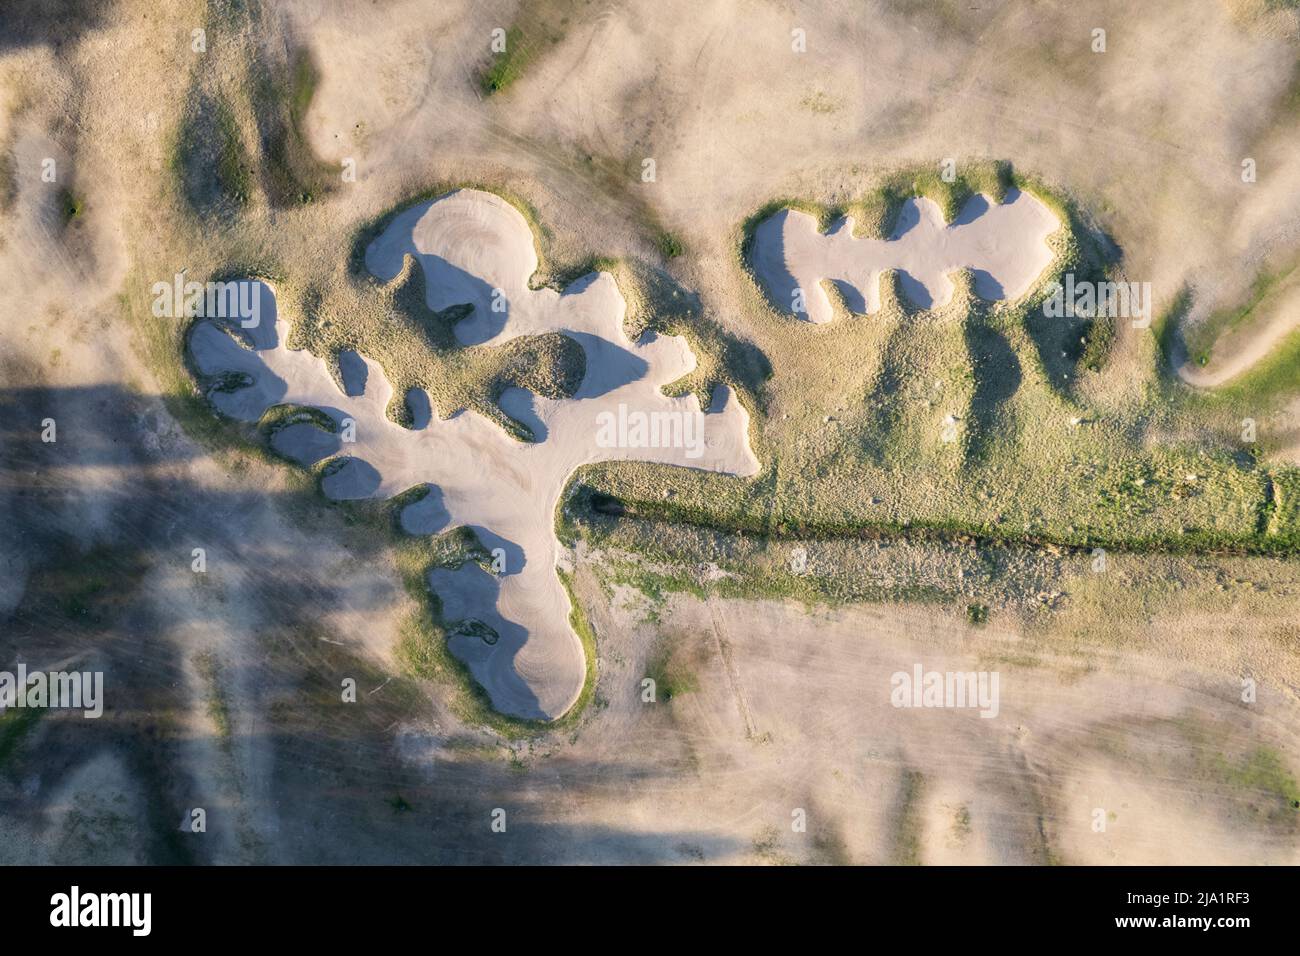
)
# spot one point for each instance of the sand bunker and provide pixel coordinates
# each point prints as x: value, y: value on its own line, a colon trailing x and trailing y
x: 512, y: 629
x: 1003, y: 244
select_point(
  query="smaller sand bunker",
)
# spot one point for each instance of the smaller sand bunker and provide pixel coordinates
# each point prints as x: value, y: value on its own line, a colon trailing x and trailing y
x: 511, y: 628
x: 1003, y: 244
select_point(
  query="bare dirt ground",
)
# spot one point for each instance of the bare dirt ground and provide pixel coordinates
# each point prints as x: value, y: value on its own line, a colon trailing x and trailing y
x: 225, y: 686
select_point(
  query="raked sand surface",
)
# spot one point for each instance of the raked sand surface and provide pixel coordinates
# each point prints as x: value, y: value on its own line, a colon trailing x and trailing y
x: 1004, y: 244
x: 472, y: 244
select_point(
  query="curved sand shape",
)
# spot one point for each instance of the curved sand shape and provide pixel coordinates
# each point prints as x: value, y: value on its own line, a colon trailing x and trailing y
x: 1239, y: 349
x: 1005, y: 245
x: 469, y: 244
x: 1234, y: 355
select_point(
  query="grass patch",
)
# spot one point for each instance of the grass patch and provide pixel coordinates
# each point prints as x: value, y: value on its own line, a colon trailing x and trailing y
x: 71, y: 207
x: 669, y: 669
x: 908, y: 830
x: 234, y: 171
x: 1201, y: 338
x: 292, y: 174
x: 508, y: 65
x: 209, y: 669
x: 1263, y: 771
x: 539, y: 26
x: 670, y: 246
x: 15, y: 726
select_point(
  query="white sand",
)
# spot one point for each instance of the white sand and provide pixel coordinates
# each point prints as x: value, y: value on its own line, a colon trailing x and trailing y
x: 1004, y: 245
x: 470, y: 243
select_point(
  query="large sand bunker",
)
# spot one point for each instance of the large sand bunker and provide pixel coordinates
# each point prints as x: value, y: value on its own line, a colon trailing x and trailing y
x: 511, y: 629
x: 1004, y: 245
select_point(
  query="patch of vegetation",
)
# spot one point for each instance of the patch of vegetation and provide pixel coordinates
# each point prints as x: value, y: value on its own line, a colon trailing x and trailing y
x: 908, y: 828
x: 209, y: 669
x: 292, y: 173
x: 71, y: 208
x: 819, y: 101
x: 234, y: 171
x: 539, y: 26
x: 1264, y: 772
x: 1269, y: 284
x: 508, y: 65
x: 86, y: 588
x: 961, y: 827
x: 279, y: 417
x: 668, y: 666
x: 15, y: 726
x: 670, y: 246
x: 208, y: 156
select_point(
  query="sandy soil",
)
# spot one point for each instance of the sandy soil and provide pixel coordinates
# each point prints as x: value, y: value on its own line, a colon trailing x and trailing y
x: 770, y: 727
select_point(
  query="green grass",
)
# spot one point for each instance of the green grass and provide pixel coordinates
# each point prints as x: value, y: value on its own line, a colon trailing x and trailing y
x: 508, y: 66
x: 587, y: 635
x: 1201, y: 339
x: 71, y: 208
x: 539, y: 26
x: 1264, y: 771
x: 670, y: 246
x: 293, y: 175
x: 15, y: 726
x: 209, y: 670
x: 909, y: 828
x: 234, y: 171
x: 1270, y: 381
x: 671, y: 679
x: 278, y: 417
